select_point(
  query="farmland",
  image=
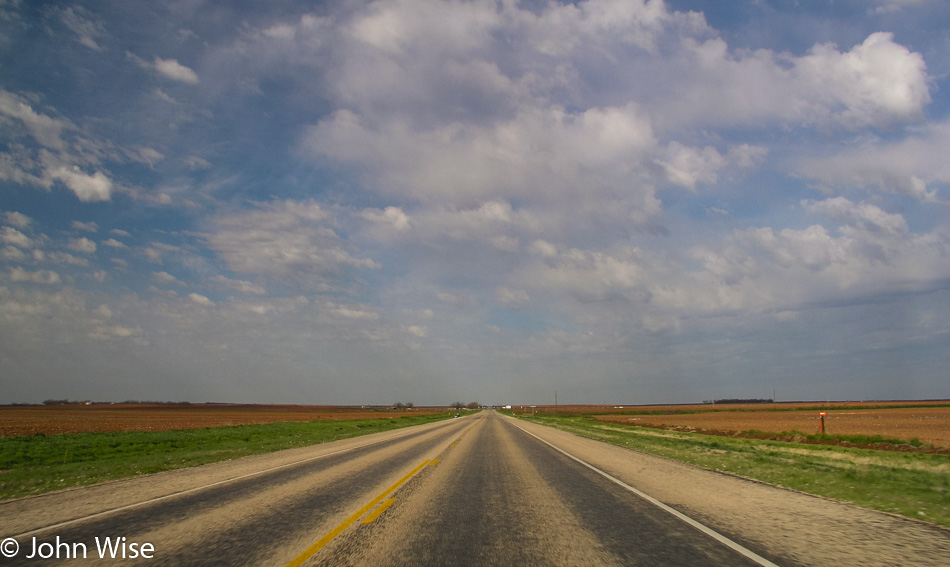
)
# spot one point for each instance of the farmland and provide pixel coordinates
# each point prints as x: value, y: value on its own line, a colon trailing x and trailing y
x: 926, y: 422
x: 100, y: 418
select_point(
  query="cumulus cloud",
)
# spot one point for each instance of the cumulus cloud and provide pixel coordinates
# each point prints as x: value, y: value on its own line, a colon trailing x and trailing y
x: 420, y: 331
x: 16, y: 219
x: 915, y: 165
x: 512, y: 298
x: 113, y: 243
x: 285, y: 239
x: 864, y: 215
x: 85, y: 226
x: 13, y: 236
x: 46, y: 130
x: 166, y: 278
x: 88, y: 188
x: 172, y: 69
x: 239, y: 285
x: 200, y: 299
x: 82, y: 244
x: 168, y: 68
x: 39, y: 276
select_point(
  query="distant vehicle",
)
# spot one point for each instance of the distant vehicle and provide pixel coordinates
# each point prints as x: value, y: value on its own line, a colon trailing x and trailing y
x: 456, y: 415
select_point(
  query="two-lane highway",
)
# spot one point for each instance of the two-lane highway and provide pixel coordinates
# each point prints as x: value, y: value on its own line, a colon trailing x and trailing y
x: 481, y: 490
x: 499, y: 496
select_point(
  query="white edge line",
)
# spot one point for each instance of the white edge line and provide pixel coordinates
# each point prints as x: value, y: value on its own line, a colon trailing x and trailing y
x: 198, y: 488
x: 676, y: 513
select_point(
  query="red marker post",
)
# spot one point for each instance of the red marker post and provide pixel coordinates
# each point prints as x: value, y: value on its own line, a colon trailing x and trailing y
x: 821, y: 427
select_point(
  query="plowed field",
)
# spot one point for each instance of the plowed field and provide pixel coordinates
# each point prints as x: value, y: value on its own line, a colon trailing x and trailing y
x: 54, y: 419
x: 928, y: 424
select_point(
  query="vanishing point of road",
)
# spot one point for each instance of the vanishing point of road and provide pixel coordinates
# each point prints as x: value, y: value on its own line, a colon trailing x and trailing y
x: 481, y: 490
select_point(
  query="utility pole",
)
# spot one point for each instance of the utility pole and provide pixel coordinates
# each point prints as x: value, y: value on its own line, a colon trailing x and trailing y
x: 555, y: 401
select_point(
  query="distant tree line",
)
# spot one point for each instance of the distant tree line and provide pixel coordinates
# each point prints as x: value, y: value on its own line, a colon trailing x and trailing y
x: 66, y: 402
x: 741, y: 401
x: 470, y: 405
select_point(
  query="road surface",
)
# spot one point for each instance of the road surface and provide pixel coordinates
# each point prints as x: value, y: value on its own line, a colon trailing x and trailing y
x: 481, y: 490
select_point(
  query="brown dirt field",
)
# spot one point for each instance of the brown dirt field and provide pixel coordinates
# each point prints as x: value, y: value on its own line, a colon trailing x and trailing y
x: 928, y: 424
x: 677, y: 408
x: 55, y: 419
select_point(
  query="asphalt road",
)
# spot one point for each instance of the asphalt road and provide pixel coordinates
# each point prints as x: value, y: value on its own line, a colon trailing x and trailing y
x: 481, y: 490
x: 472, y: 491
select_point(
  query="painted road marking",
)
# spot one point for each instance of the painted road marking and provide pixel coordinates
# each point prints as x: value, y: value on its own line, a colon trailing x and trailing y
x: 679, y: 515
x: 434, y: 461
x: 375, y: 513
x: 199, y: 488
x: 320, y: 543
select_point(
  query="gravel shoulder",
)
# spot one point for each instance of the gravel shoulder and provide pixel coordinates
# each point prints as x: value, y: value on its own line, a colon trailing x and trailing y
x: 31, y: 513
x: 798, y: 528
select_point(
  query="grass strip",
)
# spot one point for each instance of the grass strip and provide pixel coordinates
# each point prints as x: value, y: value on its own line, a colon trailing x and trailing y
x: 916, y: 485
x: 41, y: 463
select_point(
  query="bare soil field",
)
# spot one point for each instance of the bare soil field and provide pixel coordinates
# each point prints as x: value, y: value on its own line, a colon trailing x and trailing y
x: 75, y: 418
x: 930, y: 425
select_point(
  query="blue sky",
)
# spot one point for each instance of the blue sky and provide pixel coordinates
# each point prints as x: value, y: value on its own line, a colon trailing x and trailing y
x: 427, y: 201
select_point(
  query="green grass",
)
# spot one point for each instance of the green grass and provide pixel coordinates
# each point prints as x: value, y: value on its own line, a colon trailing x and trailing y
x: 41, y: 463
x: 916, y: 485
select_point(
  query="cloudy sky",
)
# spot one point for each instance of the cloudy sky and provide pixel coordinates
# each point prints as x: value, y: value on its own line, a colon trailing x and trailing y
x: 623, y: 201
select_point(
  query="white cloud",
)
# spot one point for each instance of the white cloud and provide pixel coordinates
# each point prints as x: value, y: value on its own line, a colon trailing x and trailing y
x: 420, y: 331
x: 168, y: 68
x: 863, y: 215
x: 88, y: 188
x: 15, y: 237
x: 910, y: 166
x: 196, y: 163
x: 284, y: 239
x: 77, y: 19
x: 112, y: 242
x: 688, y: 166
x: 540, y: 153
x: 45, y: 130
x: 11, y: 254
x: 166, y: 278
x: 543, y: 248
x: 512, y: 298
x: 39, y: 276
x: 352, y: 312
x: 16, y: 219
x: 200, y: 299
x: 85, y: 226
x: 387, y: 221
x: 64, y: 258
x: 174, y: 70
x: 588, y: 275
x: 151, y: 156
x: 239, y: 285
x: 83, y: 245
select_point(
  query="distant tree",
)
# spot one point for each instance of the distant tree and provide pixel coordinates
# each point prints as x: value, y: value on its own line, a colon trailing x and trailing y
x: 410, y: 405
x: 474, y: 405
x: 399, y: 405
x: 458, y: 405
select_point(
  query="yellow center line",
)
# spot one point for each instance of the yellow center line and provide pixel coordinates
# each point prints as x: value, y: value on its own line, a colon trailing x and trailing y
x: 375, y: 513
x: 320, y: 543
x: 434, y: 462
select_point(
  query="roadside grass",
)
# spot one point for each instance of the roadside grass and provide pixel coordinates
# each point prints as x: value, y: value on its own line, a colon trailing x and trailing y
x: 36, y: 464
x: 913, y: 484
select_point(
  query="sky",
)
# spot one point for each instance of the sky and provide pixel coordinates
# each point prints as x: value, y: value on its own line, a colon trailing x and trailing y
x: 361, y: 202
